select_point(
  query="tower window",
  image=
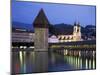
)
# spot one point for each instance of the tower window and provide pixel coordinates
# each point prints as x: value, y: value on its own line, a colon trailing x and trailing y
x: 77, y: 30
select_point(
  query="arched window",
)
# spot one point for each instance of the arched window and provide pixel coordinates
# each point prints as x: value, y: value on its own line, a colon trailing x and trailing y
x: 78, y: 30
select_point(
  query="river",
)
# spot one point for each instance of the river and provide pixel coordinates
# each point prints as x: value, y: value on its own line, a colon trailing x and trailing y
x: 27, y: 61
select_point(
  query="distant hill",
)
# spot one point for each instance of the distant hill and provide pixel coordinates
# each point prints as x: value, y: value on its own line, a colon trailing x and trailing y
x: 66, y: 29
x: 61, y: 28
x: 22, y: 25
x: 91, y: 30
x: 90, y: 26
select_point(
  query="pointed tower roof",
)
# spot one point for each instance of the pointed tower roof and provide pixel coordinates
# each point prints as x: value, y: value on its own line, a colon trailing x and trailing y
x: 41, y: 20
x: 78, y: 24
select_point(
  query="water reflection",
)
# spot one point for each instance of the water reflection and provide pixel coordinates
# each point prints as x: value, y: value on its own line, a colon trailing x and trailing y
x: 33, y: 62
x: 29, y: 62
x: 41, y: 61
x: 80, y: 63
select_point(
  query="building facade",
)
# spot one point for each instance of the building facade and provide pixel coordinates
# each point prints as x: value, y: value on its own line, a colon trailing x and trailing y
x: 53, y: 39
x: 22, y: 35
x: 75, y: 36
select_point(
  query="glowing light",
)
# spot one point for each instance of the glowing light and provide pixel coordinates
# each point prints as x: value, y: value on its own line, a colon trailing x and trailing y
x: 76, y: 62
x: 20, y: 57
x: 89, y: 64
x: 31, y: 47
x: 21, y: 46
x: 24, y: 65
x: 94, y: 64
x: 79, y: 53
x: 80, y: 63
x: 86, y: 64
x: 25, y: 47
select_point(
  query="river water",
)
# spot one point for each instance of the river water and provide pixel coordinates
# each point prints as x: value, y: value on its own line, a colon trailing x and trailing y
x: 33, y: 62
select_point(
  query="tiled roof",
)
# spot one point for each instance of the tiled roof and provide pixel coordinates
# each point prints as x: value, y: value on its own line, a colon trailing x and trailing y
x: 41, y: 20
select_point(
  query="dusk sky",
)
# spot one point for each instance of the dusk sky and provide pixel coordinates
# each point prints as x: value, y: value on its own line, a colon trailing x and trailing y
x: 26, y: 12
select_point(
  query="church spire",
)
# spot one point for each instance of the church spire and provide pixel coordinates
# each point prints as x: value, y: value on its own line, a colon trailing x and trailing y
x: 75, y: 23
x: 78, y: 24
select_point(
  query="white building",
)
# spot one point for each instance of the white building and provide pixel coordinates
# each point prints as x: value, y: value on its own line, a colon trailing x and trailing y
x: 22, y: 35
x: 53, y: 39
x: 75, y: 36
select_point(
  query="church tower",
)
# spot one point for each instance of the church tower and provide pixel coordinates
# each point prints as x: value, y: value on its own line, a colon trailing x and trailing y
x: 76, y: 32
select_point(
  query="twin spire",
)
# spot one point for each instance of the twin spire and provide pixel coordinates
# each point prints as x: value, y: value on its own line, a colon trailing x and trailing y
x: 76, y: 24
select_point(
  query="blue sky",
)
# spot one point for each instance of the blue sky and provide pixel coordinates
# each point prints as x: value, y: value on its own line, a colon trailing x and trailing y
x: 26, y: 12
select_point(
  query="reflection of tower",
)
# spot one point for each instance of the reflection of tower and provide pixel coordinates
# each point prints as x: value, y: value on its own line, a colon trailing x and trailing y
x: 77, y: 32
x: 41, y: 42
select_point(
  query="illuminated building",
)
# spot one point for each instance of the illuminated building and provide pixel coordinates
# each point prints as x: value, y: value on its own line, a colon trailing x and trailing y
x: 75, y: 36
x: 22, y: 35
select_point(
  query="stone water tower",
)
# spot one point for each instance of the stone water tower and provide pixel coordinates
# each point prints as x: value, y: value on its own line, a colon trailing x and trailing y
x: 41, y: 24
